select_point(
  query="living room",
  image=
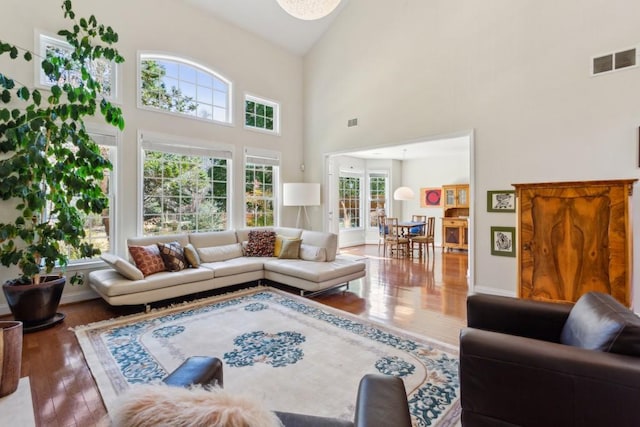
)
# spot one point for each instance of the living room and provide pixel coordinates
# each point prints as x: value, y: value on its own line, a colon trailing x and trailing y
x: 515, y: 76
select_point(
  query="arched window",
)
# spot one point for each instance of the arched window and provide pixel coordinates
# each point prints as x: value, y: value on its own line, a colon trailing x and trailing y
x: 178, y: 85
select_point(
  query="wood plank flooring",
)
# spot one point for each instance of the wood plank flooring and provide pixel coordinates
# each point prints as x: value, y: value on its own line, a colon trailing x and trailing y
x: 425, y: 297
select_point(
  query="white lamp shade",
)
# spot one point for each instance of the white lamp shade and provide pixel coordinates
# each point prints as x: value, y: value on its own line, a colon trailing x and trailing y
x: 308, y: 9
x: 300, y: 194
x: 403, y: 193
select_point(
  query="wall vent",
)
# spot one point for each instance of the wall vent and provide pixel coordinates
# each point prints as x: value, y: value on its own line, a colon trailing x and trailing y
x: 614, y: 61
x: 352, y: 122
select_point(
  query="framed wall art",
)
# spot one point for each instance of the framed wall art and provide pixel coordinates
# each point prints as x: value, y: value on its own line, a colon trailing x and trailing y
x: 430, y: 197
x: 503, y: 241
x: 501, y: 201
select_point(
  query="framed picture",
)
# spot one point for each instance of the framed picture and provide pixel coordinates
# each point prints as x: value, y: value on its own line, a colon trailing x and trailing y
x: 501, y: 201
x: 430, y: 197
x: 503, y: 241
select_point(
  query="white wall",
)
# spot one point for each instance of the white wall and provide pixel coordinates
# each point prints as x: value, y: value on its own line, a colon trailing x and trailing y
x: 252, y: 64
x: 516, y: 72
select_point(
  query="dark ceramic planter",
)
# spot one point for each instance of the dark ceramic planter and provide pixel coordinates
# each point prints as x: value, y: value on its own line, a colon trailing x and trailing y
x: 11, y: 354
x: 36, y: 305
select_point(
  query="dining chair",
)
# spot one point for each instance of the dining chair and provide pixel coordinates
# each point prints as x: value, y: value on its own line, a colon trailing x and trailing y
x: 382, y: 234
x: 425, y: 239
x: 418, y: 230
x: 394, y: 239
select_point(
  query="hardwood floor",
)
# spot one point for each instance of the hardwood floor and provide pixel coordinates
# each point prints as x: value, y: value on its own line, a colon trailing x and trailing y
x: 424, y: 297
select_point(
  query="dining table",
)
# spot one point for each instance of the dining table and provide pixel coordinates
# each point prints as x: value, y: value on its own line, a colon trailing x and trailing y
x: 406, y: 226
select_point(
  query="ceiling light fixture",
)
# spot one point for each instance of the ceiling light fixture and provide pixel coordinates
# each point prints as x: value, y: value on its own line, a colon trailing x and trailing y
x: 308, y: 10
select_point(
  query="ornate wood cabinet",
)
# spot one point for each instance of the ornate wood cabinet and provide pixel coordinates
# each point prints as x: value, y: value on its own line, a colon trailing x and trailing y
x: 455, y: 229
x: 574, y: 237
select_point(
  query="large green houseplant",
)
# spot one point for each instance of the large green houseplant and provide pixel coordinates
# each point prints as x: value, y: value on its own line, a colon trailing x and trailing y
x: 50, y: 169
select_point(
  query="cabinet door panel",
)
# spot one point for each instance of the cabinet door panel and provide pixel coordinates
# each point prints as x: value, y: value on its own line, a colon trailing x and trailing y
x: 574, y: 238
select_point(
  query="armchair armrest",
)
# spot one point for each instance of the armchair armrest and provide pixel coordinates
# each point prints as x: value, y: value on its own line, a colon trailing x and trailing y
x: 527, y: 318
x: 382, y: 402
x: 528, y: 382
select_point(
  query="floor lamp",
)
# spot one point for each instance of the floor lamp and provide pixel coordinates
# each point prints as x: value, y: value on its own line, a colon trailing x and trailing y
x: 301, y: 194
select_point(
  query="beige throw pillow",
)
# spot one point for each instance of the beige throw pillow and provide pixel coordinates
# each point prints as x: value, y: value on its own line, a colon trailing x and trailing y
x: 122, y: 266
x: 290, y: 249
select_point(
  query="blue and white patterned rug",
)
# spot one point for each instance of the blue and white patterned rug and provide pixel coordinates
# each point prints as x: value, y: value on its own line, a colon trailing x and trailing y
x: 292, y: 353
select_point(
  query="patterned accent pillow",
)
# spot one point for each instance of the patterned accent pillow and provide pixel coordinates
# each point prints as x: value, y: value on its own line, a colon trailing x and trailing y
x: 173, y: 256
x: 147, y: 259
x: 261, y: 243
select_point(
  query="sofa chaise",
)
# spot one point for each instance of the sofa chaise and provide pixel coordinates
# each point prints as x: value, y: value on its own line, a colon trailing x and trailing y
x: 311, y: 264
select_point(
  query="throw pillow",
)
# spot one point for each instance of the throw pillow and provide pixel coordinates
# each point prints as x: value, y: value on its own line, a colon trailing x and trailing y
x: 220, y: 253
x: 147, y: 259
x: 191, y: 255
x: 290, y: 249
x: 313, y: 253
x: 261, y: 243
x: 599, y: 322
x: 162, y: 405
x: 122, y: 266
x: 277, y: 248
x: 173, y: 256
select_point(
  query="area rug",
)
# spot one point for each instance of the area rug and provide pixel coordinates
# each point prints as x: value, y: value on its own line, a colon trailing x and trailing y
x: 292, y: 353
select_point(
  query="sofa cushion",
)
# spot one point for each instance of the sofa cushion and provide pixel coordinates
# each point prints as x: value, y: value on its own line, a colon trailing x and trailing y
x: 314, y: 271
x: 212, y: 238
x: 122, y: 266
x: 313, y: 253
x: 173, y: 256
x: 191, y: 254
x: 109, y: 283
x: 147, y: 259
x: 261, y: 243
x: 599, y: 322
x: 235, y: 266
x: 329, y: 241
x: 290, y: 249
x: 182, y: 238
x: 220, y: 253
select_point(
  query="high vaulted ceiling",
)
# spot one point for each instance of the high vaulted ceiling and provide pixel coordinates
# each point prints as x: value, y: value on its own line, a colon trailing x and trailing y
x: 266, y: 19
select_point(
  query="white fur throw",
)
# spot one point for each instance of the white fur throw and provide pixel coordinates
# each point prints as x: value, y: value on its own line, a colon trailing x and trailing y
x: 162, y: 405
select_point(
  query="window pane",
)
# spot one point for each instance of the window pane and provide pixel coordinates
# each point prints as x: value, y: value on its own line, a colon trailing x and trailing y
x: 183, y: 193
x: 183, y: 88
x: 261, y: 115
x: 349, y: 201
x: 259, y: 196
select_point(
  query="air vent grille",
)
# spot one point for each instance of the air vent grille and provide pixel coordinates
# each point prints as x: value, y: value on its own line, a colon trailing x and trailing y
x: 614, y: 61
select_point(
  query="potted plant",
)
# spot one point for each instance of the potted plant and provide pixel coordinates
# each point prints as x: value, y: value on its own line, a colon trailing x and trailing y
x: 50, y: 169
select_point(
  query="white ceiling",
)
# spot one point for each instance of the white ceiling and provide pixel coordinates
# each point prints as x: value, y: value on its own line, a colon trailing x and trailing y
x: 266, y: 19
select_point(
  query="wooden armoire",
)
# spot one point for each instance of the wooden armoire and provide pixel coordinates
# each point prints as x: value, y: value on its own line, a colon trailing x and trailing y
x: 574, y: 237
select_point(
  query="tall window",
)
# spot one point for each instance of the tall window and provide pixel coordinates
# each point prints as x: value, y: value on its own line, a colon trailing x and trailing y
x: 261, y: 114
x: 349, y: 199
x: 377, y: 197
x: 180, y: 86
x: 98, y: 227
x: 102, y: 70
x: 183, y: 188
x: 261, y: 182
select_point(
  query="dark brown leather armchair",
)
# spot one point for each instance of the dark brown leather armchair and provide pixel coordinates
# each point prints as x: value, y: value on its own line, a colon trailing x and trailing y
x: 516, y: 371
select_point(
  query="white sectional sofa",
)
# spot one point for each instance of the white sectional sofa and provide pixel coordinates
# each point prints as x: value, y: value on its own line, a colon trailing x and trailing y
x: 223, y: 263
